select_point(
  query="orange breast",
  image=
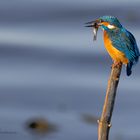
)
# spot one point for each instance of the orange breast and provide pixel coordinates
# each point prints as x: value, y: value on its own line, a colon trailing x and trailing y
x: 115, y: 54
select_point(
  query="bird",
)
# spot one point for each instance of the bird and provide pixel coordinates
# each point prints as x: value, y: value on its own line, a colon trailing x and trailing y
x: 120, y: 43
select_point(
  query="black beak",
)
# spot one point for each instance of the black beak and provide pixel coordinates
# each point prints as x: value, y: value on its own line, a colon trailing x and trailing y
x: 92, y: 24
x: 89, y: 26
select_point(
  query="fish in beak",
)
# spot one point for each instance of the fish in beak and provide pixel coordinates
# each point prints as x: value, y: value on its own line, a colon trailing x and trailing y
x: 95, y: 24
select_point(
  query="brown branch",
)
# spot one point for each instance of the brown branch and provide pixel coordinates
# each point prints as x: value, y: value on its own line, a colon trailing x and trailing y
x: 104, y: 123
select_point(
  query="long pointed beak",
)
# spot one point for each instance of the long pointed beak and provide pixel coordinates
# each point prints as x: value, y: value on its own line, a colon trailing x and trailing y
x: 94, y: 24
x: 90, y: 24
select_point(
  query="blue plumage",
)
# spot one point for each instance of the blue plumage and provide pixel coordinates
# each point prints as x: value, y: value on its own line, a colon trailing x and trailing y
x: 112, y: 20
x: 122, y: 40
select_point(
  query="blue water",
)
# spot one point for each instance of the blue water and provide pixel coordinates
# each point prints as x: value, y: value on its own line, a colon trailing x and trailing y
x: 51, y: 68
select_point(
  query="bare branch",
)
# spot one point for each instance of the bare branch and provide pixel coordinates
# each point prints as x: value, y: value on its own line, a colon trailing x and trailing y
x: 104, y: 123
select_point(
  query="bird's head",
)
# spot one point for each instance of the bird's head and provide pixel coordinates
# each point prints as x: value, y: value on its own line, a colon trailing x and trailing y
x: 106, y: 23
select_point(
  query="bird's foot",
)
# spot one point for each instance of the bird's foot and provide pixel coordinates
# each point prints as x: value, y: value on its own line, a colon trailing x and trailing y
x: 116, y: 64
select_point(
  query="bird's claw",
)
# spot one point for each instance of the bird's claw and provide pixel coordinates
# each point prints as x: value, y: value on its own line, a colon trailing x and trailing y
x: 116, y: 64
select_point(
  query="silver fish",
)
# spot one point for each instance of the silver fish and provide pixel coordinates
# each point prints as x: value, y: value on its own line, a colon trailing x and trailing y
x: 95, y: 27
x: 95, y: 30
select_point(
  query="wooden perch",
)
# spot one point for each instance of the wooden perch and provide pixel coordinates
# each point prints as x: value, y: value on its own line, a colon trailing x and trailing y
x: 104, y: 123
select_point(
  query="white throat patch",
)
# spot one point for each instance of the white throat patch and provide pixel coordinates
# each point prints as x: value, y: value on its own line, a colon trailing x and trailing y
x: 111, y: 26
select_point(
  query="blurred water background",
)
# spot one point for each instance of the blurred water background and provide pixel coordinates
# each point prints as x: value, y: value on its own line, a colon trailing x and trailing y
x: 51, y: 68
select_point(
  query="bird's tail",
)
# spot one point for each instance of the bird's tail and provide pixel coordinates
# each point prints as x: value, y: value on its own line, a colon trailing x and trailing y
x: 128, y: 68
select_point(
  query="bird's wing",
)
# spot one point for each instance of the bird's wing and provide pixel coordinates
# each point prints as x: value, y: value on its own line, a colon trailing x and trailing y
x: 126, y: 43
x: 134, y: 44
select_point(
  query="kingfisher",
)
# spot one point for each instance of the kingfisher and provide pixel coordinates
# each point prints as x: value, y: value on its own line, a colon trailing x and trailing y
x: 119, y: 42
